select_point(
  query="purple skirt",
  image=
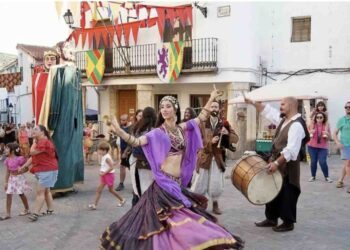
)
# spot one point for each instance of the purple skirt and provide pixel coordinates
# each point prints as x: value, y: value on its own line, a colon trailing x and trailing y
x: 158, y: 221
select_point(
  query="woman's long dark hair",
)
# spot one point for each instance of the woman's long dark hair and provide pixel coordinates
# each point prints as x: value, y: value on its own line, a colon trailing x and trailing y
x: 136, y: 113
x: 160, y: 119
x: 46, y: 133
x: 324, y: 117
x: 321, y: 103
x: 192, y: 112
x: 147, y: 121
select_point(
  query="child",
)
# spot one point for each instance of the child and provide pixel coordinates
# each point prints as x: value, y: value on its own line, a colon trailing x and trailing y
x: 15, y: 182
x: 106, y: 176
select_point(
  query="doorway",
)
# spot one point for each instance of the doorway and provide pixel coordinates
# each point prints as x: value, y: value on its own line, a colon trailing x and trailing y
x: 126, y: 102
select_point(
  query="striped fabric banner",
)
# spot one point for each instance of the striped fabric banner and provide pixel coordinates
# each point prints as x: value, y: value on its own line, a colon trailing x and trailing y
x: 95, y: 66
x: 169, y: 61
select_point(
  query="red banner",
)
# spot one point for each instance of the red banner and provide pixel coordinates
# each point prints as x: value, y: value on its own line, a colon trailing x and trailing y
x: 184, y: 13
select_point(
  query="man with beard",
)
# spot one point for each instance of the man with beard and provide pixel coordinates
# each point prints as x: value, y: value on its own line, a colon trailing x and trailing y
x: 290, y: 135
x: 210, y: 163
x: 189, y: 114
x: 125, y: 155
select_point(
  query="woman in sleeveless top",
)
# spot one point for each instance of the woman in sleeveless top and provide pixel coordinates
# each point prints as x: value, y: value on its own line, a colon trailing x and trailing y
x: 168, y: 216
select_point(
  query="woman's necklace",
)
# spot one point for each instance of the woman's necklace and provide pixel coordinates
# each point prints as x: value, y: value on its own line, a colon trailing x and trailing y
x: 176, y: 138
x: 172, y: 130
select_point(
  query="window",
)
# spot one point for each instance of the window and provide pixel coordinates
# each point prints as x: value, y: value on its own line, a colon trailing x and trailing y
x: 198, y: 101
x: 301, y: 29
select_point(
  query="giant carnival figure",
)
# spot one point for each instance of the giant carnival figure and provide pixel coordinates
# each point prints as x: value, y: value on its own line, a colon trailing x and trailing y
x: 62, y: 113
x: 39, y: 80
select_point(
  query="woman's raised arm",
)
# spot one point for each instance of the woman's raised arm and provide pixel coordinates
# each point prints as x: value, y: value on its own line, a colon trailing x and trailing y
x: 128, y: 138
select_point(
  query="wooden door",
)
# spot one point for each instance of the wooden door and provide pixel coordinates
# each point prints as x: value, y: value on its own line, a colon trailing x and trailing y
x: 126, y: 103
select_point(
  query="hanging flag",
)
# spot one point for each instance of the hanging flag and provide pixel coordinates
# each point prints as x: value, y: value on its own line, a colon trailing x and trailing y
x: 135, y: 30
x: 188, y: 11
x: 73, y: 6
x: 169, y: 61
x: 58, y: 6
x: 83, y: 37
x: 98, y: 34
x: 93, y: 7
x: 170, y: 14
x: 84, y: 6
x: 126, y: 30
x: 76, y: 34
x: 114, y: 10
x: 160, y: 21
x: 95, y: 65
x: 91, y: 37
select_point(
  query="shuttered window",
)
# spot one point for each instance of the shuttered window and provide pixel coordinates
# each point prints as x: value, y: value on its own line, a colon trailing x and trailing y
x: 301, y: 30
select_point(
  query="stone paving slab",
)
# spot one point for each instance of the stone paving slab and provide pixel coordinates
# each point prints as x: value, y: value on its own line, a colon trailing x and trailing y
x: 323, y: 217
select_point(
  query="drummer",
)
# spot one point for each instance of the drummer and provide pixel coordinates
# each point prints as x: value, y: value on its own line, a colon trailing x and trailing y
x: 290, y: 135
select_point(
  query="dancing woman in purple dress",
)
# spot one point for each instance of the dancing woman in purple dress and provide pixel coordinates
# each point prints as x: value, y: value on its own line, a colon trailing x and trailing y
x: 168, y: 216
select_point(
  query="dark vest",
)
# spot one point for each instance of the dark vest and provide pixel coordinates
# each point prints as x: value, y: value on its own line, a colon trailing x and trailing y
x: 291, y: 169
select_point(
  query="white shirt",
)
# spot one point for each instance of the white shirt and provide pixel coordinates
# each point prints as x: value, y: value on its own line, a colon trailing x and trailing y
x: 29, y: 132
x: 296, y: 132
x: 104, y: 164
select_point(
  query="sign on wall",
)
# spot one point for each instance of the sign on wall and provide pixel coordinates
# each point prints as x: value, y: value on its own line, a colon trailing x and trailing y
x: 224, y: 11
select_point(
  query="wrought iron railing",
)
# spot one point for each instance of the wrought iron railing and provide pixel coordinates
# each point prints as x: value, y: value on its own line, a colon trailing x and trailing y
x: 199, y: 55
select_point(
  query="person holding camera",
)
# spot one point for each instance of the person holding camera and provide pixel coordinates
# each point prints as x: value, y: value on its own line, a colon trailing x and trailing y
x: 320, y: 134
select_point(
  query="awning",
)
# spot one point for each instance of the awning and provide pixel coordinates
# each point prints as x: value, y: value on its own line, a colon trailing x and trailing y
x: 277, y: 91
x: 90, y: 112
x: 9, y: 81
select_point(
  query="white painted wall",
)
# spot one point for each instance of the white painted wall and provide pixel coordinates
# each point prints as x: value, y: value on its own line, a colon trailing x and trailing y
x: 330, y: 40
x: 260, y: 33
x: 23, y: 92
x: 91, y: 99
x: 329, y: 24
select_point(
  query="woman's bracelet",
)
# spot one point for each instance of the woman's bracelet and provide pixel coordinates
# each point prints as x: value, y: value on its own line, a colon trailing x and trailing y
x: 203, y: 115
x: 208, y: 111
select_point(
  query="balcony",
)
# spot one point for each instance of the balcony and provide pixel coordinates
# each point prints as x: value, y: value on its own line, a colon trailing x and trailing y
x: 200, y: 55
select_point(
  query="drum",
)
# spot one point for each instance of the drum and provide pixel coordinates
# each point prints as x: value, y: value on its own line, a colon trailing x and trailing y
x: 250, y: 176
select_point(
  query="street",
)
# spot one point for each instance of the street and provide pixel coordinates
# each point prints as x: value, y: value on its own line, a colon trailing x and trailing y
x: 323, y: 216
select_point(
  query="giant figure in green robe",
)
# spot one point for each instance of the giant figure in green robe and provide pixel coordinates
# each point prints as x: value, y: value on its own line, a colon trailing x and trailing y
x: 65, y: 119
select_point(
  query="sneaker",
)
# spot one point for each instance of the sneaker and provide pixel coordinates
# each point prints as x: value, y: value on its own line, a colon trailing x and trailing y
x: 120, y: 187
x: 312, y: 179
x: 329, y: 180
x: 92, y: 206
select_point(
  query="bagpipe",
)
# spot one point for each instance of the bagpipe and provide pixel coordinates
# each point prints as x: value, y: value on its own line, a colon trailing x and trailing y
x: 224, y: 140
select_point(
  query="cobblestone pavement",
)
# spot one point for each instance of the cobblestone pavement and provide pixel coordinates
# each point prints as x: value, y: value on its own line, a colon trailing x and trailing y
x: 323, y: 217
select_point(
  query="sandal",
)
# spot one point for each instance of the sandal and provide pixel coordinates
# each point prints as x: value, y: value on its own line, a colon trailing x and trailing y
x: 92, y: 207
x: 340, y: 184
x: 24, y: 212
x: 120, y: 204
x: 5, y: 217
x: 348, y: 190
x: 48, y: 212
x: 33, y: 217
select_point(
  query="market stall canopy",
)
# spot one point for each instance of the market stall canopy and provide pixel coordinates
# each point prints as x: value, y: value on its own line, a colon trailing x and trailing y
x: 91, y: 112
x: 277, y: 91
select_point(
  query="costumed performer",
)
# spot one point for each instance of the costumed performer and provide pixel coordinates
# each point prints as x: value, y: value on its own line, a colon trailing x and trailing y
x: 62, y: 113
x: 168, y: 216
